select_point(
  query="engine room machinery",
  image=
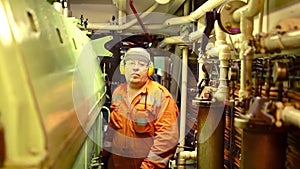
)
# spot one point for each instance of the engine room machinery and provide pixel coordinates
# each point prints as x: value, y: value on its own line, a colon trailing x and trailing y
x: 231, y: 65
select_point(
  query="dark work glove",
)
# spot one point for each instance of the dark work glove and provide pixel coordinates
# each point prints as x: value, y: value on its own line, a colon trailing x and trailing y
x: 103, y: 160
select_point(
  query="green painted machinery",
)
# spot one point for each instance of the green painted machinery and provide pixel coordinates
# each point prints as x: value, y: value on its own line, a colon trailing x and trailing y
x: 50, y: 104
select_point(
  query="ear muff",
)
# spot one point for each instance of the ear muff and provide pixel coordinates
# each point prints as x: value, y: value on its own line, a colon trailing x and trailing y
x: 150, y: 69
x: 122, y: 67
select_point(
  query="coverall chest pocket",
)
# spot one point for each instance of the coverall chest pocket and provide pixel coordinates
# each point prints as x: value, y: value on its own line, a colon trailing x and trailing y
x: 116, y: 117
x: 143, y: 120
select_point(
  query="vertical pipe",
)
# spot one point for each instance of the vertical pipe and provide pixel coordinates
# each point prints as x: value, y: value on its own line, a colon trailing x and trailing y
x: 121, y: 14
x: 224, y: 55
x: 245, y: 16
x: 183, y: 97
x: 246, y: 59
x: 185, y: 50
x: 181, y: 159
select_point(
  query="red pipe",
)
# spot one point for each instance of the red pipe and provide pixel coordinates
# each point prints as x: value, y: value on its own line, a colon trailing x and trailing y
x: 140, y: 21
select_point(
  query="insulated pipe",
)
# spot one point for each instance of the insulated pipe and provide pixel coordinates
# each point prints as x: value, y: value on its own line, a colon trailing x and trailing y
x: 198, y: 13
x: 250, y: 10
x: 194, y: 36
x: 183, y: 96
x: 246, y: 73
x: 171, y: 40
x: 288, y: 40
x: 177, y: 39
x: 121, y: 13
x: 245, y: 16
x: 291, y: 115
x: 224, y: 56
x: 184, y: 80
x: 181, y: 160
x: 102, y: 26
x: 188, y: 155
x: 207, y: 6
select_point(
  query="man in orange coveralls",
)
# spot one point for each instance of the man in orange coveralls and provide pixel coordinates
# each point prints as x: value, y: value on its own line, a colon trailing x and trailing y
x: 143, y: 126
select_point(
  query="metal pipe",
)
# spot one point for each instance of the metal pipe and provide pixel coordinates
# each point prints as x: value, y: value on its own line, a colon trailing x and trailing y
x: 250, y: 10
x: 188, y: 155
x: 177, y: 39
x: 184, y: 80
x: 208, y: 6
x: 183, y: 97
x: 171, y: 40
x: 245, y: 16
x: 181, y: 159
x: 106, y: 26
x: 194, y: 36
x: 289, y: 40
x: 291, y: 115
x: 198, y: 13
x: 121, y: 13
x: 246, y: 70
x: 224, y: 56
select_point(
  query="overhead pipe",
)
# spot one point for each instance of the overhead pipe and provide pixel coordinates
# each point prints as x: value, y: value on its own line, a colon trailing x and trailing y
x: 249, y: 11
x: 198, y: 13
x: 289, y: 40
x: 195, y: 15
x: 172, y: 40
x: 194, y: 36
x: 140, y: 20
x: 105, y: 26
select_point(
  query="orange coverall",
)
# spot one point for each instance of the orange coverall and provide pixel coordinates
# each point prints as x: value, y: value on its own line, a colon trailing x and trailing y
x: 143, y: 133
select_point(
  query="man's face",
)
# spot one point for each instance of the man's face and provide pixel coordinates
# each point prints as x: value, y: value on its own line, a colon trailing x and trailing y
x: 136, y: 72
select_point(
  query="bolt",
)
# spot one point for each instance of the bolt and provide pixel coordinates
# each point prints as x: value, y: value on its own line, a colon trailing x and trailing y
x: 228, y: 25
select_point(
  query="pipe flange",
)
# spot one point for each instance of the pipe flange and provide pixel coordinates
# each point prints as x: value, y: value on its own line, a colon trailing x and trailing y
x: 225, y: 19
x: 280, y: 71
